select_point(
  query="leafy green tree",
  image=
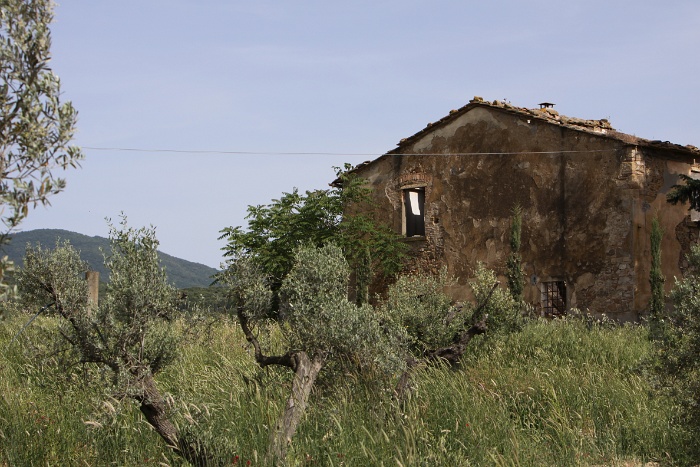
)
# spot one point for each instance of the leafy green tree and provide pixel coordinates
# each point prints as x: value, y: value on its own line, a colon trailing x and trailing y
x: 128, y: 336
x: 35, y: 126
x: 656, y: 279
x: 276, y: 230
x: 687, y: 192
x: 321, y: 326
x: 363, y: 277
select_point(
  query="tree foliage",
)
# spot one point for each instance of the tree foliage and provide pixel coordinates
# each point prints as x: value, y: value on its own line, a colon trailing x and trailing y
x: 514, y: 263
x: 128, y: 331
x: 321, y: 325
x: 432, y: 325
x: 418, y: 306
x: 656, y: 278
x: 128, y: 336
x: 317, y: 218
x: 678, y: 346
x: 687, y: 192
x: 36, y: 127
x: 320, y: 318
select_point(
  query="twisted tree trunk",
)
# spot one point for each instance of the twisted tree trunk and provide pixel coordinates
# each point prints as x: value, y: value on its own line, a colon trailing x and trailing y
x: 451, y: 353
x: 305, y: 372
x: 154, y: 408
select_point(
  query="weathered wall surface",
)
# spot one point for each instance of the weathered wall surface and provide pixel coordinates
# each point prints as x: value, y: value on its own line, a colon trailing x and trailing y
x: 661, y: 173
x: 587, y: 205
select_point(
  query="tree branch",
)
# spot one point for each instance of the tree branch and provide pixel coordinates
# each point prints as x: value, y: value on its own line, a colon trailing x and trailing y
x: 451, y: 353
x: 263, y: 360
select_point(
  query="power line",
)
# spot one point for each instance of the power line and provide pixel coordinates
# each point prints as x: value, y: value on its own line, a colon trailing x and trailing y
x: 281, y: 153
x: 242, y: 153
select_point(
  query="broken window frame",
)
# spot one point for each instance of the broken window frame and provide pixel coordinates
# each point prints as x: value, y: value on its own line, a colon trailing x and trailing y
x: 553, y: 298
x: 413, y: 199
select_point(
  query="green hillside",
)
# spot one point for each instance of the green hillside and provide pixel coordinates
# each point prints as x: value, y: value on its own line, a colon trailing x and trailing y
x: 182, y: 273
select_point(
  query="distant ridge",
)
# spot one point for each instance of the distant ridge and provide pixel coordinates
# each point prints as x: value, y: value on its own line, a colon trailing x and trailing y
x: 181, y: 273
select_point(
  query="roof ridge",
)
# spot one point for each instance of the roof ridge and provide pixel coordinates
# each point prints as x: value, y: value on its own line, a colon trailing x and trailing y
x: 600, y: 127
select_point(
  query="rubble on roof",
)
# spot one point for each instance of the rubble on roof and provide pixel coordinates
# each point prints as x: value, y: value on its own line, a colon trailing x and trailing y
x: 601, y: 126
x: 548, y: 113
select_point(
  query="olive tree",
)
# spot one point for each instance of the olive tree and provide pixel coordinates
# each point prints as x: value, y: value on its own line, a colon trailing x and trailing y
x: 321, y: 325
x: 416, y: 324
x: 432, y: 329
x: 36, y: 127
x: 128, y: 336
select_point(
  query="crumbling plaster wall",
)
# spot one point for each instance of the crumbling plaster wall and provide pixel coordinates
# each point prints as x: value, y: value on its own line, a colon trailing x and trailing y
x: 583, y: 219
x: 661, y: 170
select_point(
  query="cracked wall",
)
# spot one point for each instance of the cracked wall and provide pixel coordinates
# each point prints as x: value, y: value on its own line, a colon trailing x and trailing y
x: 587, y: 206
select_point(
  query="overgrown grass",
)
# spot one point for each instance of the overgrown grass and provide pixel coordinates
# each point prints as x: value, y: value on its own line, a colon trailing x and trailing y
x: 556, y: 393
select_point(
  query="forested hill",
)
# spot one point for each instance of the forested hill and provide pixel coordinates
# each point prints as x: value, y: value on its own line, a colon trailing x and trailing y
x: 181, y: 273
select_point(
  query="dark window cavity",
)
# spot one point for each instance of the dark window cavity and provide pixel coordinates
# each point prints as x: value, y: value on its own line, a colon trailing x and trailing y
x: 414, y: 209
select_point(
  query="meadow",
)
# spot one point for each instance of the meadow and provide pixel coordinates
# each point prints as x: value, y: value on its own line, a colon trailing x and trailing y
x: 562, y: 392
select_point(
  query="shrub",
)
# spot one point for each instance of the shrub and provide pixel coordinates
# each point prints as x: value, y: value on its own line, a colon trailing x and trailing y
x: 678, y: 348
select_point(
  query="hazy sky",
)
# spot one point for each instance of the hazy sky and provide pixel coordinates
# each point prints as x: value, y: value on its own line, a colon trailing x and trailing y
x: 351, y: 77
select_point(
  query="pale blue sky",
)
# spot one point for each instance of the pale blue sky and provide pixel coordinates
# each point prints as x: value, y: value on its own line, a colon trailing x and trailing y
x: 331, y: 77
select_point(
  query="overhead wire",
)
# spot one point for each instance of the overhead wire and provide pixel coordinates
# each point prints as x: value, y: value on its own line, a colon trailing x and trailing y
x: 285, y: 153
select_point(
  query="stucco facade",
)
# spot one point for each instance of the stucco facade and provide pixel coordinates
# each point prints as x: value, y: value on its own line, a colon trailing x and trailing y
x: 588, y: 194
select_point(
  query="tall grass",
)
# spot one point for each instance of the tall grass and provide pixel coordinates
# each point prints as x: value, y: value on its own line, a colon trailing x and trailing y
x: 556, y: 393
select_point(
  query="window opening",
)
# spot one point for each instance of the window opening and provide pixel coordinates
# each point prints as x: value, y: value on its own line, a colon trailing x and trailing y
x: 554, y: 298
x: 414, y: 212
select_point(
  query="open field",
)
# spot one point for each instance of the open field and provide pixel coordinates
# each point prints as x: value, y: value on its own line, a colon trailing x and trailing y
x: 556, y: 393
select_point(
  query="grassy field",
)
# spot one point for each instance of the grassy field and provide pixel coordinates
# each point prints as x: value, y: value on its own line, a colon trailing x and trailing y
x: 557, y: 393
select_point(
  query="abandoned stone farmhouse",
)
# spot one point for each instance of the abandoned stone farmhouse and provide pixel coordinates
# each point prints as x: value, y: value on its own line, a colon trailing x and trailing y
x: 588, y: 194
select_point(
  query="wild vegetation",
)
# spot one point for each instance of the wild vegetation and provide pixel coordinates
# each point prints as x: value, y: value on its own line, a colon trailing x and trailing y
x: 408, y: 379
x: 101, y: 385
x: 565, y: 392
x: 412, y: 379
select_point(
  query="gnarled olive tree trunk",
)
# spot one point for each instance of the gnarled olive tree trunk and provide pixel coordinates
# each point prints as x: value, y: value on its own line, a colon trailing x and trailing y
x: 305, y: 372
x: 154, y: 408
x: 451, y: 353
x: 305, y: 369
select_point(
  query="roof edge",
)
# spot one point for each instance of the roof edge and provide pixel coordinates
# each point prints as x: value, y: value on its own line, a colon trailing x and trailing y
x: 601, y: 128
